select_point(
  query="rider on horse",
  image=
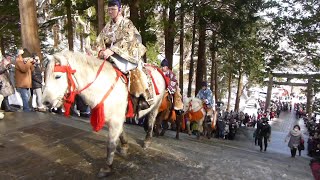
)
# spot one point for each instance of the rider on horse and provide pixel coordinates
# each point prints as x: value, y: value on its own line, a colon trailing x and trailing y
x: 173, y: 88
x: 121, y: 43
x: 205, y: 94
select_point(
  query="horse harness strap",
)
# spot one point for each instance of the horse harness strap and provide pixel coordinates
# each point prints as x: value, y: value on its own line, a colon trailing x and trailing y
x: 69, y: 98
x: 194, y: 115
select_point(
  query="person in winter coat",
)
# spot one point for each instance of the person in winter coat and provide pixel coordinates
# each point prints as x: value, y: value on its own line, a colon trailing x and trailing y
x: 37, y: 83
x: 6, y: 86
x: 221, y: 127
x: 264, y: 132
x: 205, y: 94
x: 295, y: 137
x: 173, y: 88
x: 23, y: 76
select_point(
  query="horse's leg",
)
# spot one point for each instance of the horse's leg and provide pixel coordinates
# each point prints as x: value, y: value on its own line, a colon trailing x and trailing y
x: 200, y: 128
x: 115, y: 129
x: 165, y: 127
x: 124, y: 143
x: 151, y: 121
x: 158, y: 124
x: 178, y: 126
x: 189, y: 128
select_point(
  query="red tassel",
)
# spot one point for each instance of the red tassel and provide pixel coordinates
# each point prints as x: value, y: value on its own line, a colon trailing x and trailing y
x: 130, y: 113
x: 68, y: 103
x: 97, y: 119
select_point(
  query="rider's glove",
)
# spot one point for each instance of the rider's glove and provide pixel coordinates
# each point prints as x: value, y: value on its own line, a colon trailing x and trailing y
x: 206, y: 101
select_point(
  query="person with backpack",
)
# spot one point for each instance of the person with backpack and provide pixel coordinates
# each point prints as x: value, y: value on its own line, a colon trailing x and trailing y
x: 295, y: 139
x: 264, y: 132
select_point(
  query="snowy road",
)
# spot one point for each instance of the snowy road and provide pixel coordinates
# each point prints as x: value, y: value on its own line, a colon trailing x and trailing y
x: 46, y: 146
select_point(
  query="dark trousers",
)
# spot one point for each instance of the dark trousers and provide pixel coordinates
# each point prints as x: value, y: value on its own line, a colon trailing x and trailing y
x: 255, y: 140
x: 293, y: 152
x: 221, y: 133
x: 265, y: 140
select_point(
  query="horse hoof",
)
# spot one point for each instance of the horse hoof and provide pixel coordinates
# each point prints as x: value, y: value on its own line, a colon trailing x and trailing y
x: 104, y: 172
x: 123, y: 151
x: 177, y: 137
x: 146, y: 144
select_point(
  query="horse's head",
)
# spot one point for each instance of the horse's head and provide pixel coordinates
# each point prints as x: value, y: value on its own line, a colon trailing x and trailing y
x: 192, y: 104
x: 186, y: 104
x: 56, y: 82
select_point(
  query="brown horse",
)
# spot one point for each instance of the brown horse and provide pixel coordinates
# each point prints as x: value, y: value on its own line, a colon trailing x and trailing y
x: 166, y: 114
x: 196, y: 112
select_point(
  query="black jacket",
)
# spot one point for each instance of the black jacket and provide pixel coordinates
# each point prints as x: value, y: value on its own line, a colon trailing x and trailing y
x: 264, y: 130
x: 37, y: 77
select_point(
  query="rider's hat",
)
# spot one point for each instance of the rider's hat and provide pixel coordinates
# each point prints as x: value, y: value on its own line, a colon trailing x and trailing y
x: 164, y: 62
x: 204, y: 83
x: 114, y: 3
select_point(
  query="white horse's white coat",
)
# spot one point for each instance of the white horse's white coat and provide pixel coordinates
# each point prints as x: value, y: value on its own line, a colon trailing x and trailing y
x: 115, y: 105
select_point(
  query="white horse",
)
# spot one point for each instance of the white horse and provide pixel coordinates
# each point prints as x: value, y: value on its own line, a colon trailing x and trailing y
x: 196, y: 112
x: 115, y: 105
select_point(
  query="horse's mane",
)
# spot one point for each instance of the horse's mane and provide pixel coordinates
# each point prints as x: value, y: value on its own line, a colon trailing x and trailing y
x: 197, y: 100
x: 77, y: 60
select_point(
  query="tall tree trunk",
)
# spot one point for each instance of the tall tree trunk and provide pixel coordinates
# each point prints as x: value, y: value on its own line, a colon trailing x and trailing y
x: 216, y: 81
x: 181, y: 49
x: 55, y: 30
x: 201, y: 54
x: 191, y: 68
x: 100, y: 15
x: 143, y: 30
x: 134, y: 12
x: 29, y: 26
x: 69, y: 24
x: 229, y: 89
x: 169, y: 32
x: 81, y: 39
x: 214, y: 68
x: 2, y: 47
x: 239, y: 89
x: 212, y: 80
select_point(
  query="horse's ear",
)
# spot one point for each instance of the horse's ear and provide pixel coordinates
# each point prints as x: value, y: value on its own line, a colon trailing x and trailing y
x: 57, y: 59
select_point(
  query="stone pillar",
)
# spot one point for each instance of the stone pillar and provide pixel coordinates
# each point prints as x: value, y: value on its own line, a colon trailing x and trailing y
x: 269, y: 92
x: 309, y: 96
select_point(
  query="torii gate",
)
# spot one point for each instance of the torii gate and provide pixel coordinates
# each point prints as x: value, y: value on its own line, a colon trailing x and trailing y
x: 311, y: 80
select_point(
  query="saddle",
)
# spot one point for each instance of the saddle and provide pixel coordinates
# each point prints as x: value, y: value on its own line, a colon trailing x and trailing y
x: 141, y: 84
x: 195, y: 116
x: 167, y: 108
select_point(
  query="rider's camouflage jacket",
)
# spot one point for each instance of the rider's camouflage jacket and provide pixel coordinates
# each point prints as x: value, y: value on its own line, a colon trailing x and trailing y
x: 206, y: 94
x: 123, y: 39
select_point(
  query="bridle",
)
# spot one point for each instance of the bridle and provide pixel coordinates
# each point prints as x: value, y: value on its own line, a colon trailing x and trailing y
x: 72, y: 91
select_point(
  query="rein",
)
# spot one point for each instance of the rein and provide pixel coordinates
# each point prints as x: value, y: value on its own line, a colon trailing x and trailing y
x: 72, y: 91
x: 97, y: 118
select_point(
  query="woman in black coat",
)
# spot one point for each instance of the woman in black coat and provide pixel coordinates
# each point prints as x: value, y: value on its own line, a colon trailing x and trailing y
x: 37, y: 84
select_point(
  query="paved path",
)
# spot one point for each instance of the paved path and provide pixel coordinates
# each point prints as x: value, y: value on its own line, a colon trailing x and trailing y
x: 280, y: 129
x: 46, y: 146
